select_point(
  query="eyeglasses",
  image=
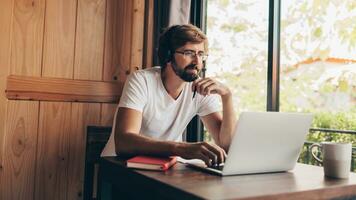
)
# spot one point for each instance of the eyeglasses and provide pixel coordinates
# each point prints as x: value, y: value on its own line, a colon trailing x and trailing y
x: 192, y: 54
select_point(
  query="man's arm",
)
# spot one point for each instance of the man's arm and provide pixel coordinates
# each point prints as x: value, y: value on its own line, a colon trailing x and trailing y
x: 220, y: 126
x: 129, y: 142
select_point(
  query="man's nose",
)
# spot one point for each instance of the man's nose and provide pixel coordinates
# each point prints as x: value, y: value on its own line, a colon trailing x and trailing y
x: 197, y: 59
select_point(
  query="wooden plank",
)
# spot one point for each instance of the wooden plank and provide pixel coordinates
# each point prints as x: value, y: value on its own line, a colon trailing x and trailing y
x: 58, y: 51
x: 138, y: 14
x: 57, y: 89
x: 6, y: 7
x: 117, y: 40
x: 20, y: 150
x: 90, y: 39
x: 27, y: 37
x: 148, y: 35
x: 53, y: 150
x: 88, y: 65
x: 107, y: 114
x: 58, y: 59
x: 112, y: 69
x: 117, y: 54
x: 83, y: 114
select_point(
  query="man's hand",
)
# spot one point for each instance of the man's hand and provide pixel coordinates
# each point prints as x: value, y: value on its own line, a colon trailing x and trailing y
x: 206, y: 86
x: 211, y: 154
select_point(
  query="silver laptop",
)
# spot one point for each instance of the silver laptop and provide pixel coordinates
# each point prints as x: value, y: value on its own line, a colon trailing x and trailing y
x: 263, y: 142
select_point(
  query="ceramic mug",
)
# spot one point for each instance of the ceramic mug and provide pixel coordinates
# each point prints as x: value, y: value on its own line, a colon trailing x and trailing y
x: 336, y: 158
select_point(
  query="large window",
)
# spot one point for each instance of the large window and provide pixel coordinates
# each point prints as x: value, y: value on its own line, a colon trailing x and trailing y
x: 317, y: 58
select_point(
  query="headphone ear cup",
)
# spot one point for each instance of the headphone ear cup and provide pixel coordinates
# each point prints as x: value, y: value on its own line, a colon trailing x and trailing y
x: 169, y: 55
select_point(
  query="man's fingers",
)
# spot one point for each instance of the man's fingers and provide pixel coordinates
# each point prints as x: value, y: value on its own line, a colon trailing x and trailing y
x: 201, y: 85
x: 206, y: 87
x: 212, y: 156
x: 222, y: 153
x: 217, y: 153
x: 211, y: 89
x: 209, y: 153
x: 205, y: 158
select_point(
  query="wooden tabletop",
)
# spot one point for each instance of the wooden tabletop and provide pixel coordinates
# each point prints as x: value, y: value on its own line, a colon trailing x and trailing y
x: 303, y: 182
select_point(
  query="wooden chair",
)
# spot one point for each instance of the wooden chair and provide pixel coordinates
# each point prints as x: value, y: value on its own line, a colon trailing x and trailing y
x: 97, y: 136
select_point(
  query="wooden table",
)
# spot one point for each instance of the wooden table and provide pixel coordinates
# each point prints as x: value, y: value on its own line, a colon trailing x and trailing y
x: 181, y: 182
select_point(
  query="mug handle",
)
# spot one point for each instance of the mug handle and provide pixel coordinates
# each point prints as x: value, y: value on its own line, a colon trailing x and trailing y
x: 315, y: 145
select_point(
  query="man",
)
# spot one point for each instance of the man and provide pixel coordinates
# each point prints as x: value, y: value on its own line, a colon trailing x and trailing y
x: 157, y: 103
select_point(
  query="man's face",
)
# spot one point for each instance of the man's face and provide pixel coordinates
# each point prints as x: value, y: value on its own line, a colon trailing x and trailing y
x: 187, y: 61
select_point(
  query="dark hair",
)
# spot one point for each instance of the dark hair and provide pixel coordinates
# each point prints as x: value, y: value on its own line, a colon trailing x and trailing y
x: 176, y: 36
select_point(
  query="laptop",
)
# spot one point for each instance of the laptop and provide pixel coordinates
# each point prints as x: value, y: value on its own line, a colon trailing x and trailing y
x: 263, y: 142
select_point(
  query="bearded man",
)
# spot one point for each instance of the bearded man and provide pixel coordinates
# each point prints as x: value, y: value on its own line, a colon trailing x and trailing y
x: 158, y: 103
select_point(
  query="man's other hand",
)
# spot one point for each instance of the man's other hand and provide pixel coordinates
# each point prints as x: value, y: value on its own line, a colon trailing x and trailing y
x: 207, y: 86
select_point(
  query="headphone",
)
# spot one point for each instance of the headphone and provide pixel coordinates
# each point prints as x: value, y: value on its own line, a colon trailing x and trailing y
x: 166, y: 53
x: 169, y: 56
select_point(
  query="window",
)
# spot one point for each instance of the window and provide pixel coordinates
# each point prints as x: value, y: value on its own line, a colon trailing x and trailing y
x: 238, y: 37
x: 317, y: 58
x: 238, y: 42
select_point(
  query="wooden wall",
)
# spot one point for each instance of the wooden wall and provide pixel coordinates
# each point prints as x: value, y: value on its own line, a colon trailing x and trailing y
x: 42, y: 141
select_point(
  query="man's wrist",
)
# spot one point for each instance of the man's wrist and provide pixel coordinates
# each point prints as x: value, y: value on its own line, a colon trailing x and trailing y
x: 226, y: 96
x: 176, y: 148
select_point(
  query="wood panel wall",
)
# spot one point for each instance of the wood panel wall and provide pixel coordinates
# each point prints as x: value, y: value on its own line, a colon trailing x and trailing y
x: 42, y: 142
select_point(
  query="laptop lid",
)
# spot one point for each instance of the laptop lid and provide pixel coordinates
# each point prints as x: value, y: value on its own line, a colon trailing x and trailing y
x: 266, y: 142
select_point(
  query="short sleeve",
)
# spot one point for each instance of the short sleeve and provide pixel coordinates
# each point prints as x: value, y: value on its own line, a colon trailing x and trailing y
x: 134, y: 94
x: 209, y: 104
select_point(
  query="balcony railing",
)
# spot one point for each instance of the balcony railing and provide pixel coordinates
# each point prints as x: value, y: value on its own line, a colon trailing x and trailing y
x: 306, y: 157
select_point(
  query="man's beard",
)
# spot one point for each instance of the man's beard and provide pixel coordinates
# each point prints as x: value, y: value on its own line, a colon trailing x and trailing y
x: 183, y: 73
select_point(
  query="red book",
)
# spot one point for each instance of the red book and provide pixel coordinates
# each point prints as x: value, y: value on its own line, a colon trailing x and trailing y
x: 151, y: 163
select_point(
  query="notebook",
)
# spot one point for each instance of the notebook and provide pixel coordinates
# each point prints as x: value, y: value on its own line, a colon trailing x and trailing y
x: 151, y: 163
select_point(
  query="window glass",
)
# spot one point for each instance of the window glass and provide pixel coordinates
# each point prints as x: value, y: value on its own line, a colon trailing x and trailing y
x: 318, y: 62
x: 238, y: 43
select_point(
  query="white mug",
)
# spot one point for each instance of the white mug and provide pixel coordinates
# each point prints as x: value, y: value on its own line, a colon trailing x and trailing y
x: 336, y: 158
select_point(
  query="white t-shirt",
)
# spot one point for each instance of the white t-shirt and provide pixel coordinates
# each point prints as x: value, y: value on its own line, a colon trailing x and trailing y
x: 163, y: 117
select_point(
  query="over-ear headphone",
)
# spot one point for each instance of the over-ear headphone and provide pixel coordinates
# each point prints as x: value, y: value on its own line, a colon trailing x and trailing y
x: 164, y: 51
x: 169, y: 55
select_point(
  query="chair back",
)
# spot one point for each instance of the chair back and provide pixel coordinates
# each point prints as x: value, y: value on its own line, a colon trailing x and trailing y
x: 97, y: 137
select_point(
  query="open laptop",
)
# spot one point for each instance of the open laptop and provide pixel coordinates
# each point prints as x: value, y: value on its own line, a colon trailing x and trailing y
x: 263, y: 142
